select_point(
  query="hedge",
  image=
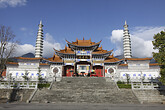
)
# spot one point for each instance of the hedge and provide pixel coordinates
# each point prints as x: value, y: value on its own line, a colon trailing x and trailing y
x: 46, y: 85
x: 126, y: 86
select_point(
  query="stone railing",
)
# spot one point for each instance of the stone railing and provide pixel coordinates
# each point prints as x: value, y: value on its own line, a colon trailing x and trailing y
x: 148, y: 85
x: 18, y: 85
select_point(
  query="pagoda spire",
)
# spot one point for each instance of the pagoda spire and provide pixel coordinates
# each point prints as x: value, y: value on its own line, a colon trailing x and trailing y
x: 127, y: 42
x: 39, y: 42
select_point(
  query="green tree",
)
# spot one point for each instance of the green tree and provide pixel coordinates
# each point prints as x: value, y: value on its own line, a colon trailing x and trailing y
x: 159, y: 44
x: 40, y: 79
x: 128, y: 78
x: 25, y: 76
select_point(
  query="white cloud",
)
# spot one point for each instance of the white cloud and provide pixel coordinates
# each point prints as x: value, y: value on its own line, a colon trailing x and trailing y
x: 12, y: 3
x: 117, y: 39
x: 49, y: 44
x: 23, y: 29
x: 141, y: 40
x: 146, y: 33
x: 23, y: 49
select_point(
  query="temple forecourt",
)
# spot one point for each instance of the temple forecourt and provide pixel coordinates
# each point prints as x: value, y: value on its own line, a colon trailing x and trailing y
x: 83, y: 58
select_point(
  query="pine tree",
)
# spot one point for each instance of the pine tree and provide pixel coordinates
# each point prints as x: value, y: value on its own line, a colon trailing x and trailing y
x: 159, y: 44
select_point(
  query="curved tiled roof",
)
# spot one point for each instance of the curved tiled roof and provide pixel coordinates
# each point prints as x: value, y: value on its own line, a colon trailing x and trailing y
x: 100, y: 51
x: 83, y: 42
x: 55, y: 58
x: 111, y: 59
x: 3, y: 73
x: 67, y: 50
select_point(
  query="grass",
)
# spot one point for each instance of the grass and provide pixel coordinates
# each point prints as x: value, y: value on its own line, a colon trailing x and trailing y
x: 123, y: 85
x: 126, y: 86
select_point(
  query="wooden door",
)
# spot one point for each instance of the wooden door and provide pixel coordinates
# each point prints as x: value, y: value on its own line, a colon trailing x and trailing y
x: 69, y: 71
x: 98, y: 71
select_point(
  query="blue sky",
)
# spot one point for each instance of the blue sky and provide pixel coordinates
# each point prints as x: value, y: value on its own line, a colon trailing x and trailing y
x: 71, y: 19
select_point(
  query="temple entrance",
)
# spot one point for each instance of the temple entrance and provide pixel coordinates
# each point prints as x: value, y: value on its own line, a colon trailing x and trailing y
x: 68, y: 71
x: 83, y: 68
x: 98, y: 70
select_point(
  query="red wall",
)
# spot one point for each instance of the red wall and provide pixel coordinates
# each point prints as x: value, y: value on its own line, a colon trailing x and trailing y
x: 98, y: 71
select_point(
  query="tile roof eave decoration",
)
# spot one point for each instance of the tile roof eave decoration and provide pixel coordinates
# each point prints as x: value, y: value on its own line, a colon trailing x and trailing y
x: 154, y: 64
x: 44, y: 64
x: 123, y: 65
x: 25, y: 58
x: 138, y: 59
x: 107, y: 54
x: 51, y: 61
x: 103, y: 53
x: 12, y: 63
x: 112, y: 60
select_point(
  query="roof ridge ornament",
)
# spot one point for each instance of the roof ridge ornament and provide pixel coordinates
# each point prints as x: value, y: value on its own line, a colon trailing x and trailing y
x: 40, y: 21
x: 101, y: 47
x: 125, y: 22
x: 77, y: 40
x: 65, y: 48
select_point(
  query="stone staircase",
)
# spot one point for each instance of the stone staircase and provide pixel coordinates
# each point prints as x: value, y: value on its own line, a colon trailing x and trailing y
x: 84, y: 90
x: 150, y: 96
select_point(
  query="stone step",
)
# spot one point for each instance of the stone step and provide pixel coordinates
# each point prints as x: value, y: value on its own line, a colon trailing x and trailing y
x: 85, y: 90
x: 148, y: 96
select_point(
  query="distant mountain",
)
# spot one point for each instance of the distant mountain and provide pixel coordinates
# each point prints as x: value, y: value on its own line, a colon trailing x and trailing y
x: 28, y: 55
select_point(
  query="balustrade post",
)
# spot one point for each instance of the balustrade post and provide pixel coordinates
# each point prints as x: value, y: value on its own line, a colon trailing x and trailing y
x: 152, y: 86
x: 132, y: 85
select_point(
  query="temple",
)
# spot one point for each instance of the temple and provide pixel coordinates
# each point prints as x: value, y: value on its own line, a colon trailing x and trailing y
x: 84, y: 58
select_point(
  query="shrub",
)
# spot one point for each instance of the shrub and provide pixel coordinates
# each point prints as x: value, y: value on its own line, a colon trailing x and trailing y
x: 120, y: 82
x: 45, y: 85
x: 126, y: 86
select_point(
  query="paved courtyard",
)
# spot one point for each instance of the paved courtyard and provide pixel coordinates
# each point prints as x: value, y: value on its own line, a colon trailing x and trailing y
x: 71, y: 106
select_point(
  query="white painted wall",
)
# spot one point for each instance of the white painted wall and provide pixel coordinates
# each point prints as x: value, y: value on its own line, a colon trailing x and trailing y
x: 59, y: 67
x: 111, y: 75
